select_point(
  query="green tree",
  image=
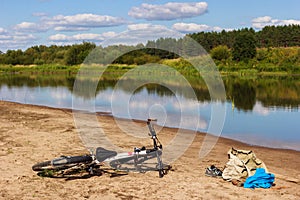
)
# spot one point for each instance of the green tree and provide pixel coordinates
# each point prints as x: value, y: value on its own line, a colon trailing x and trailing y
x: 14, y: 57
x: 244, y: 46
x: 78, y: 52
x: 220, y: 52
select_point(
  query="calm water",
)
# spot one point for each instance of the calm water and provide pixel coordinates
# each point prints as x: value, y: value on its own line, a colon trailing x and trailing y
x: 259, y: 110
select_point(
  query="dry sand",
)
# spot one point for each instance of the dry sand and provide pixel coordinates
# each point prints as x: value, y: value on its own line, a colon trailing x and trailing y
x: 31, y: 134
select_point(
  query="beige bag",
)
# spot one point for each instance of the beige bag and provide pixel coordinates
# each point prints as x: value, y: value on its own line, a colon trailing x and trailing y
x: 241, y: 164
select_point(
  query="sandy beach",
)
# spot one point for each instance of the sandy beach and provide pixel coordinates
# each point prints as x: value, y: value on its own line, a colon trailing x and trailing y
x: 31, y: 134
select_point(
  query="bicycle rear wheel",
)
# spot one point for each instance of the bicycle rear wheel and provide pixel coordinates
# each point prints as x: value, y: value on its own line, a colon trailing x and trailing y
x: 42, y: 166
x: 61, y: 163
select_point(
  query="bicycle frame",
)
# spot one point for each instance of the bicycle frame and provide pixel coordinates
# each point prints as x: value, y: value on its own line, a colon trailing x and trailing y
x: 137, y: 158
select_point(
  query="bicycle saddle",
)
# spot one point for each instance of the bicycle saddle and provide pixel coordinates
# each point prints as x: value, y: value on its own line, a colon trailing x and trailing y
x: 102, y: 154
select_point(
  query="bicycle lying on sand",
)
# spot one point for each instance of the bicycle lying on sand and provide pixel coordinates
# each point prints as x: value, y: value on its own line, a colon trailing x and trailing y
x: 91, y: 163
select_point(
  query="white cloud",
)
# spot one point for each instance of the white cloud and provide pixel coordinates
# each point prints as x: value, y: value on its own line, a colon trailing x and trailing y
x: 5, y: 37
x: 15, y: 40
x: 109, y: 34
x: 59, y: 37
x: 88, y: 36
x: 168, y: 11
x: 141, y: 33
x: 20, y: 33
x: 265, y: 19
x: 68, y: 39
x: 146, y: 28
x: 261, y: 22
x: 30, y: 27
x: 24, y: 37
x: 81, y: 22
x: 25, y: 25
x: 3, y: 31
x: 66, y: 28
x: 78, y: 22
x: 192, y: 27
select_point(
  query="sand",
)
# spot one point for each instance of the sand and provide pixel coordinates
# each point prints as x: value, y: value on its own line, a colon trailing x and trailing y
x: 31, y: 134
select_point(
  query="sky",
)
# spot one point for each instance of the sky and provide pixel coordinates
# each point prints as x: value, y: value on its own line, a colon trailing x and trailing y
x: 26, y: 23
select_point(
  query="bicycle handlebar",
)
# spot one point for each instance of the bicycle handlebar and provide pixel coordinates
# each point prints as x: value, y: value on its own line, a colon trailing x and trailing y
x: 156, y: 142
x: 151, y: 129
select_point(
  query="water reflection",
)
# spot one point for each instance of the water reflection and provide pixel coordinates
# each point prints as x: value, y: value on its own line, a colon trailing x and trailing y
x: 261, y: 110
x: 280, y: 91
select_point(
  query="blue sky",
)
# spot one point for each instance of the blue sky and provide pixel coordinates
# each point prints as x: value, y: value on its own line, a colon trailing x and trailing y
x: 25, y: 23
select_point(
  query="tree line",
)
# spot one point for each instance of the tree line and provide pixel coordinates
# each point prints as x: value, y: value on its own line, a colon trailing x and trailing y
x: 240, y: 44
x: 269, y: 36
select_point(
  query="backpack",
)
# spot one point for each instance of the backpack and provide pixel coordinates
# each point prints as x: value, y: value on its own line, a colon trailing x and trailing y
x: 241, y: 164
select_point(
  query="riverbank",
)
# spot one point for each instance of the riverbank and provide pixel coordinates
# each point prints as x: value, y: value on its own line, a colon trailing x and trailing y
x: 30, y: 134
x: 274, y: 66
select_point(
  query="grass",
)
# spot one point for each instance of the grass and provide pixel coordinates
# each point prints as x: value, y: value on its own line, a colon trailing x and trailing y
x: 38, y: 69
x: 46, y: 173
x: 278, y: 61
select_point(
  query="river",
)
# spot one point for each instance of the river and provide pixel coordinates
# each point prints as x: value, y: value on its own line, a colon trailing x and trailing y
x: 260, y: 110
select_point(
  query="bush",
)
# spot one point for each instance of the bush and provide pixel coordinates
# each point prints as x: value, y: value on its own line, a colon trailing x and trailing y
x: 220, y: 53
x: 261, y: 55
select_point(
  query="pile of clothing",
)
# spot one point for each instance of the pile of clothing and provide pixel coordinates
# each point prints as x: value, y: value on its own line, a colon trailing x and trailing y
x: 244, y: 169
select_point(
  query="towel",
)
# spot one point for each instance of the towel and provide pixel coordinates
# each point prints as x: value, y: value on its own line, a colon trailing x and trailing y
x: 260, y: 179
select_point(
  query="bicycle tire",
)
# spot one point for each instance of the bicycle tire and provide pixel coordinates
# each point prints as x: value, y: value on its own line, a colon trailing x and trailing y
x: 161, y: 173
x: 62, y: 163
x: 76, y: 159
x: 42, y: 166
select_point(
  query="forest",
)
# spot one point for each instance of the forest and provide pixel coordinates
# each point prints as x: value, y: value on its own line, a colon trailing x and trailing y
x: 274, y: 48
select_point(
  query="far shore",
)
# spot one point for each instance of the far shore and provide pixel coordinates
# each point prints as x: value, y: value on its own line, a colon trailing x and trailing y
x: 235, y: 70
